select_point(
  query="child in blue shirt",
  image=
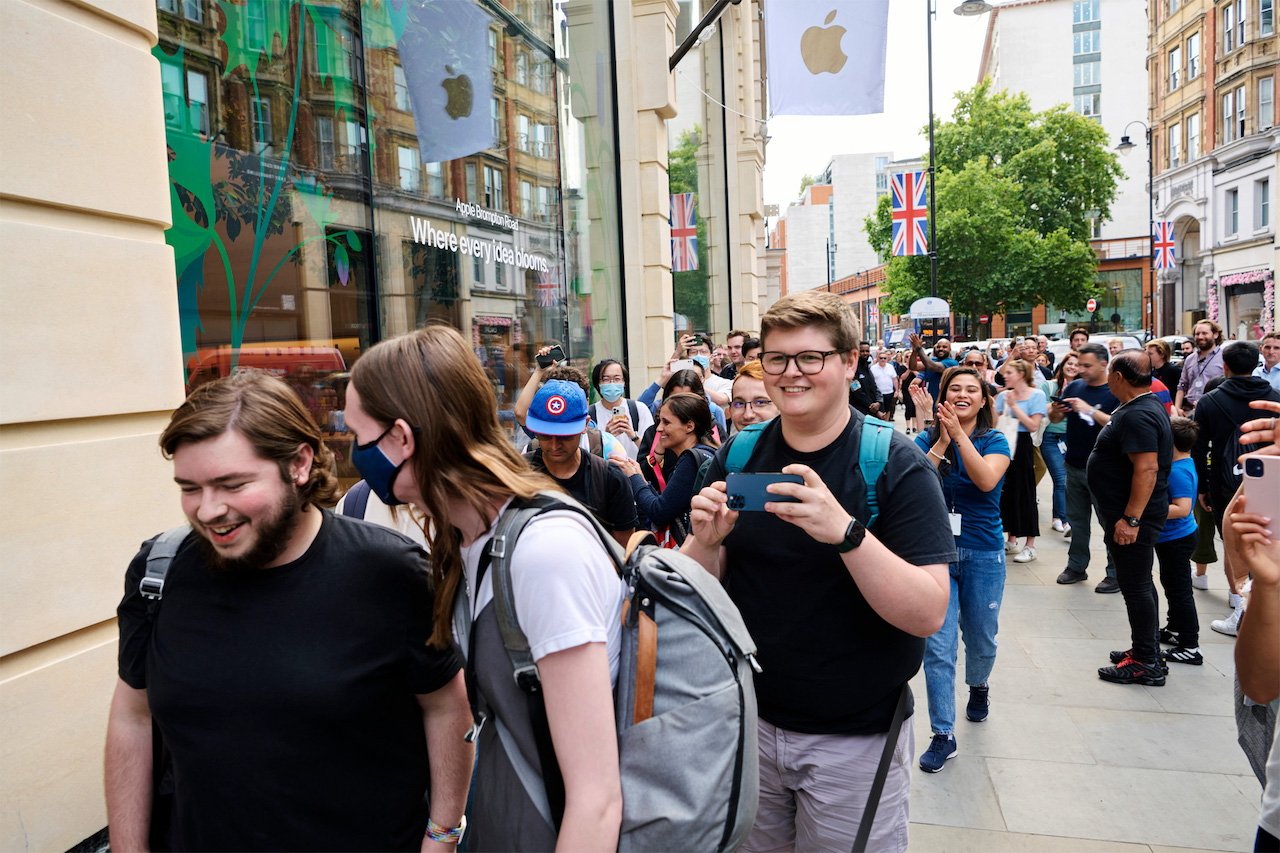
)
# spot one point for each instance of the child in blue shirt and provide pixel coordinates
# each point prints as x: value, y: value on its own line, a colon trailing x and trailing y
x: 1174, y: 547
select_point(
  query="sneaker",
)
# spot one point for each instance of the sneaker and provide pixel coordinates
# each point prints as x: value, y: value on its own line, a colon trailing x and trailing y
x: 1107, y: 585
x: 941, y: 747
x: 1072, y: 576
x: 1199, y: 581
x: 1234, y: 599
x: 1118, y: 657
x: 1181, y: 654
x: 1010, y: 546
x: 1229, y: 626
x: 1168, y: 637
x: 1058, y: 526
x: 1066, y: 531
x: 1129, y: 671
x: 979, y: 704
x: 1026, y: 555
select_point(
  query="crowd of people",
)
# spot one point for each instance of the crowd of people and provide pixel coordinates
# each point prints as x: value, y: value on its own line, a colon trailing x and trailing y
x: 316, y: 681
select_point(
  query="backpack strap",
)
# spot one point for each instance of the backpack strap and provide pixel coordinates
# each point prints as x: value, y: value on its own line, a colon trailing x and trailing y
x: 597, y: 481
x: 356, y: 500
x: 159, y: 559
x: 873, y: 455
x: 742, y: 445
x: 634, y: 411
x: 882, y: 772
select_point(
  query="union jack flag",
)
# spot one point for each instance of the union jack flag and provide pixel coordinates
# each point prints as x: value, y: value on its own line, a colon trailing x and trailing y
x: 910, y: 213
x: 684, y: 233
x: 546, y: 293
x: 1163, y: 246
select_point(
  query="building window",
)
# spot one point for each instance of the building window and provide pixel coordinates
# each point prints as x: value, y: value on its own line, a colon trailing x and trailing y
x: 1193, y: 137
x: 493, y: 188
x: 193, y: 10
x: 324, y: 142
x: 410, y: 172
x: 171, y: 87
x: 1262, y: 204
x: 1228, y: 28
x: 477, y: 270
x: 1266, y: 103
x: 1233, y: 213
x: 495, y: 50
x: 522, y: 132
x: 1193, y: 56
x: 1266, y: 17
x: 1085, y: 10
x: 545, y: 203
x: 354, y: 145
x: 1087, y: 73
x: 170, y: 6
x: 198, y: 101
x: 1228, y: 110
x: 1089, y: 105
x: 1239, y: 113
x: 1089, y: 41
x: 435, y: 179
x: 495, y: 116
x: 526, y: 199
x: 1175, y: 67
x: 522, y: 68
x: 255, y: 30
x: 261, y: 124
x: 1175, y: 145
x: 1240, y: 16
x: 472, y: 195
x: 541, y: 76
x: 1173, y: 6
x: 402, y: 90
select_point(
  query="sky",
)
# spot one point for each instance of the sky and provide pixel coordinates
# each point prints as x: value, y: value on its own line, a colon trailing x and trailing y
x: 800, y: 145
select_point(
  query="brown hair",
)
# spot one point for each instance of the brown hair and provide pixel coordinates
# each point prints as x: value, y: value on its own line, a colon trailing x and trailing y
x: 986, y: 414
x: 1213, y: 327
x: 817, y: 308
x: 267, y: 412
x: 1185, y: 432
x: 568, y: 373
x: 1022, y: 366
x: 690, y: 408
x: 432, y: 380
x: 1166, y: 351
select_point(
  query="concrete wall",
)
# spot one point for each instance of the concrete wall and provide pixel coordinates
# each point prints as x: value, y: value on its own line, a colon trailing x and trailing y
x: 853, y: 177
x: 88, y: 312
x: 807, y: 228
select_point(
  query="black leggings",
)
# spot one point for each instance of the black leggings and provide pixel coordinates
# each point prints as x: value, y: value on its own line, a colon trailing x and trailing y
x: 1175, y: 578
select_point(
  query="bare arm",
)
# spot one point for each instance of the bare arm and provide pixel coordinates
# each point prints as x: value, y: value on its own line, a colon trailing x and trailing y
x: 623, y: 536
x: 926, y: 363
x: 530, y: 390
x: 579, y: 702
x: 984, y: 471
x: 446, y: 716
x: 1250, y: 543
x: 1180, y: 508
x: 128, y: 769
x: 1145, y: 466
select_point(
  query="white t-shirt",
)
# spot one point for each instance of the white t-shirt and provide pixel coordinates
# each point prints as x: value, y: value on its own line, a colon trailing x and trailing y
x: 567, y: 590
x: 718, y: 385
x: 602, y: 412
x: 400, y: 519
x: 884, y: 376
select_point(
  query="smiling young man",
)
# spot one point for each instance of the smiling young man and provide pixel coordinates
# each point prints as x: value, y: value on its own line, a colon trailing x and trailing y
x: 839, y: 612
x: 286, y: 665
x: 1200, y: 367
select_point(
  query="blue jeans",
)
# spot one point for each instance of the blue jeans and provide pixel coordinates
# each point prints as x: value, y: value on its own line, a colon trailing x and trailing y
x: 977, y: 588
x: 1052, y: 456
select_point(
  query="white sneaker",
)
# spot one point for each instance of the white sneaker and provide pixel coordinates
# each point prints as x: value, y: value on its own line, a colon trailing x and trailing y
x: 1234, y: 600
x: 1229, y: 626
x: 1058, y: 526
x: 1011, y: 546
x: 1199, y: 581
x: 1066, y: 530
x: 1025, y: 556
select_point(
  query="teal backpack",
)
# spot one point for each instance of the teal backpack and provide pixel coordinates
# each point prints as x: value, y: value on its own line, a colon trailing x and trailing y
x: 873, y: 455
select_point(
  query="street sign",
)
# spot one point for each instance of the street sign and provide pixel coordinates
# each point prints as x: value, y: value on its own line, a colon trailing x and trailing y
x: 929, y: 307
x: 1091, y: 305
x: 984, y: 318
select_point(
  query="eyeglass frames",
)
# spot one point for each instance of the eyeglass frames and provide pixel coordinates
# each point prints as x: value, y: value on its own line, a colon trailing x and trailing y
x: 808, y: 362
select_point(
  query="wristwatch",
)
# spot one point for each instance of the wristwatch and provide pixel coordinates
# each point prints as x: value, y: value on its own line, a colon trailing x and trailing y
x: 1133, y: 521
x: 853, y: 535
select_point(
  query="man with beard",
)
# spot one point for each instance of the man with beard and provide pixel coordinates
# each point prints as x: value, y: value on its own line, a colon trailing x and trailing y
x: 1198, y: 368
x: 287, y: 672
x: 863, y: 395
x: 931, y: 368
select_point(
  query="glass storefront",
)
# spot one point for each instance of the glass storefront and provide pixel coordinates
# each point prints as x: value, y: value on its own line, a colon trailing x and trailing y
x: 344, y: 171
x: 1120, y: 305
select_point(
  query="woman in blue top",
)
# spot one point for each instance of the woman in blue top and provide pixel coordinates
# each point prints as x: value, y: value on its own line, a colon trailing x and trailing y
x: 1022, y: 401
x: 972, y: 459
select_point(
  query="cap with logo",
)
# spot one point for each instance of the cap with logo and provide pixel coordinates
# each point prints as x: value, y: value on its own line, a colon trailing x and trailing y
x: 559, y: 408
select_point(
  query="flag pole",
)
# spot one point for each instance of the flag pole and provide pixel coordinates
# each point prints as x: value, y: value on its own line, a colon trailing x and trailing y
x: 933, y: 211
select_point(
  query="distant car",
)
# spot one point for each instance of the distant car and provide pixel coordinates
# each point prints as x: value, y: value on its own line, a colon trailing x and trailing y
x: 1061, y: 347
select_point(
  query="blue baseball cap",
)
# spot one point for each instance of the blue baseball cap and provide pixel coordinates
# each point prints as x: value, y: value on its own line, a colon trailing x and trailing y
x: 559, y: 408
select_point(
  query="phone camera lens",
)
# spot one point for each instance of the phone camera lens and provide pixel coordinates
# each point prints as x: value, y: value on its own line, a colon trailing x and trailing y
x: 737, y: 502
x: 1253, y: 467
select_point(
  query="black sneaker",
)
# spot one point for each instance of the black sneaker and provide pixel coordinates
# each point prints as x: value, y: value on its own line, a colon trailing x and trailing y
x: 979, y: 706
x: 1072, y: 576
x: 1130, y: 671
x: 1117, y: 657
x: 1168, y: 638
x: 941, y: 747
x: 1181, y: 654
x: 1107, y: 585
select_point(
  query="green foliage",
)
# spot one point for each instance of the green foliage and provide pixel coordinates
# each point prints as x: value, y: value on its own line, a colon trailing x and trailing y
x: 1015, y: 192
x: 806, y: 182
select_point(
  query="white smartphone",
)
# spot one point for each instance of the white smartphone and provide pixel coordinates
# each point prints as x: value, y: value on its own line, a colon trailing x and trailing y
x: 683, y: 364
x: 1262, y: 484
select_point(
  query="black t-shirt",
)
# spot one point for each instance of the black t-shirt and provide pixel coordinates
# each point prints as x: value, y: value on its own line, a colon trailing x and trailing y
x: 1170, y: 375
x: 831, y: 664
x: 1081, y: 435
x: 1139, y: 426
x: 616, y: 508
x: 286, y: 696
x: 866, y: 393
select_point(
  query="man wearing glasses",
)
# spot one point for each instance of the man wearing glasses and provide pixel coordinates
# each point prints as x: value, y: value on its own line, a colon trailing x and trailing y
x: 839, y: 611
x: 888, y: 385
x: 750, y: 403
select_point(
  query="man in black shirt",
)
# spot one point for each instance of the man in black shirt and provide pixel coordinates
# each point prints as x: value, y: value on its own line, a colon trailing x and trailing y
x: 1128, y: 474
x: 286, y: 667
x: 839, y: 612
x: 557, y: 417
x: 863, y: 394
x: 1087, y: 404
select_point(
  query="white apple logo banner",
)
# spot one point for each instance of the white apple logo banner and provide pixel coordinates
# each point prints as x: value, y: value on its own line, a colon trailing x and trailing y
x: 826, y: 57
x: 445, y: 53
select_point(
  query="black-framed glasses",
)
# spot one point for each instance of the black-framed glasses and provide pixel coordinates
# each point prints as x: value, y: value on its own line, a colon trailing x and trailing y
x: 757, y: 404
x: 809, y: 362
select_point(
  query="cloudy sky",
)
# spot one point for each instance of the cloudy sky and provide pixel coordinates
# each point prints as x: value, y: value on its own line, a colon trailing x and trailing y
x: 801, y: 145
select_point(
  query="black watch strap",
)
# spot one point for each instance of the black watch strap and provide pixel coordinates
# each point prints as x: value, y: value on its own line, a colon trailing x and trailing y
x: 853, y: 535
x: 1132, y: 521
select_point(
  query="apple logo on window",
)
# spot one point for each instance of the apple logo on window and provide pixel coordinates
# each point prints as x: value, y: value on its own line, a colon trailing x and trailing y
x: 820, y: 47
x: 460, y: 95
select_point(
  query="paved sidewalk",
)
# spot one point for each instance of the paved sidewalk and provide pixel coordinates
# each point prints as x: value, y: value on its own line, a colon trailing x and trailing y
x: 1067, y: 762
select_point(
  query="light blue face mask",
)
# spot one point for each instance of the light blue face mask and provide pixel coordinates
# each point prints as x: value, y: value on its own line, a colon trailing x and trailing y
x: 702, y: 361
x: 612, y: 390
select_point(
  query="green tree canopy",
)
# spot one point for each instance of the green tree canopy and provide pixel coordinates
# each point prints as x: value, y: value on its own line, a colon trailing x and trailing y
x: 1016, y: 193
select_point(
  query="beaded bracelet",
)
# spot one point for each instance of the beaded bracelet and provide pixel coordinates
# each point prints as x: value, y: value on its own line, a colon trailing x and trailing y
x: 444, y: 835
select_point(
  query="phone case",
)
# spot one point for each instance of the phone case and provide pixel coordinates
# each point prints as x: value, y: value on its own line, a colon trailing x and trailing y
x: 747, y: 491
x: 1262, y: 484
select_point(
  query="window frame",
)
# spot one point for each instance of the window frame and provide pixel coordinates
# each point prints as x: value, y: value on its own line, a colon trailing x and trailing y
x: 1262, y: 204
x: 1193, y: 56
x: 1266, y: 17
x: 326, y: 150
x: 409, y: 176
x: 1267, y: 106
x: 205, y: 127
x: 1232, y: 219
x: 400, y: 84
x: 1193, y: 137
x: 256, y: 104
x: 1175, y: 145
x: 1175, y: 67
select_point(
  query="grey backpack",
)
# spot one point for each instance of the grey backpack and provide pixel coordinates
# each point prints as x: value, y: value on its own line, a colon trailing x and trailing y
x: 685, y: 703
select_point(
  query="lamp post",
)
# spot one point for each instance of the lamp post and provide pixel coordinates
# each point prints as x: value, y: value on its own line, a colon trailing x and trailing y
x: 1126, y: 145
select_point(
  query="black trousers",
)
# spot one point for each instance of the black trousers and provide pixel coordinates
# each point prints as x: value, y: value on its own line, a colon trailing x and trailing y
x: 1133, y: 573
x: 1175, y: 577
x: 887, y: 406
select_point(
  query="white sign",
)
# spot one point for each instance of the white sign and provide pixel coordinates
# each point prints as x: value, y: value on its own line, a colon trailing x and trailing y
x: 929, y: 308
x: 1091, y: 305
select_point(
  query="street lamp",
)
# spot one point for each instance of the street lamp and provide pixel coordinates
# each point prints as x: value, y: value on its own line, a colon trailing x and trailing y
x: 1126, y: 145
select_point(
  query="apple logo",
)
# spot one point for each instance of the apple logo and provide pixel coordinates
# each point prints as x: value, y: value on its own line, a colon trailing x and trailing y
x: 820, y: 47
x: 459, y: 91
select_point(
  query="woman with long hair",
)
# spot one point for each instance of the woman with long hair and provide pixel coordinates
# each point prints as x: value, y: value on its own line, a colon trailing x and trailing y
x: 683, y: 435
x: 616, y: 413
x: 972, y: 458
x: 1022, y: 401
x: 1051, y: 446
x: 427, y: 433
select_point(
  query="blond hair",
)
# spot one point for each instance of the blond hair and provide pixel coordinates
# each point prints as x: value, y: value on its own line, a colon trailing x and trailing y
x: 818, y: 309
x: 1021, y: 365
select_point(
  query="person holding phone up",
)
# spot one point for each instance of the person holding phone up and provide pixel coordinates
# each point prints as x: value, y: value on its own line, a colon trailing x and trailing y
x: 620, y: 416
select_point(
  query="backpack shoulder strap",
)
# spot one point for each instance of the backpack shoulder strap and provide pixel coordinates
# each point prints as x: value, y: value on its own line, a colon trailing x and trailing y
x: 595, y: 442
x: 159, y: 558
x: 356, y: 501
x: 742, y: 445
x: 873, y: 455
x: 634, y: 411
x: 597, y: 480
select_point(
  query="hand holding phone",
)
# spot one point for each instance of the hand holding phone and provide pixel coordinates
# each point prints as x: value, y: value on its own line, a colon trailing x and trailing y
x: 1262, y: 484
x: 555, y: 354
x: 749, y: 492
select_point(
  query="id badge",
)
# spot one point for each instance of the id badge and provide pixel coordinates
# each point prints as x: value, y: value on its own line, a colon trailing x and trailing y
x: 955, y: 523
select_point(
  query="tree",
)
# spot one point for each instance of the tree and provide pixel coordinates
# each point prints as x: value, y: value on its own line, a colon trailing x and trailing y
x: 1016, y: 194
x: 806, y: 182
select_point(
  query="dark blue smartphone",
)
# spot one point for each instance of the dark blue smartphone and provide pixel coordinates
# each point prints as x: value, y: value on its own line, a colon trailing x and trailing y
x: 747, y: 492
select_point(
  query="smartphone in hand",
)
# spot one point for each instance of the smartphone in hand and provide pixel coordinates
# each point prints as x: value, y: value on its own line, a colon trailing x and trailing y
x: 556, y: 354
x: 747, y: 492
x: 1261, y: 484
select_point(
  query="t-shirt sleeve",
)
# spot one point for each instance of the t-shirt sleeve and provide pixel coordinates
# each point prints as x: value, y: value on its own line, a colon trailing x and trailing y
x: 567, y: 590
x: 1037, y: 404
x: 134, y: 623
x: 1182, y: 482
x: 992, y: 443
x: 922, y: 442
x: 913, y: 515
x: 620, y: 504
x: 429, y: 668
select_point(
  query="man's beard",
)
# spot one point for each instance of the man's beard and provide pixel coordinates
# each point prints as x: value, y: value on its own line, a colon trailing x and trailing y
x: 1205, y: 346
x: 273, y: 532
